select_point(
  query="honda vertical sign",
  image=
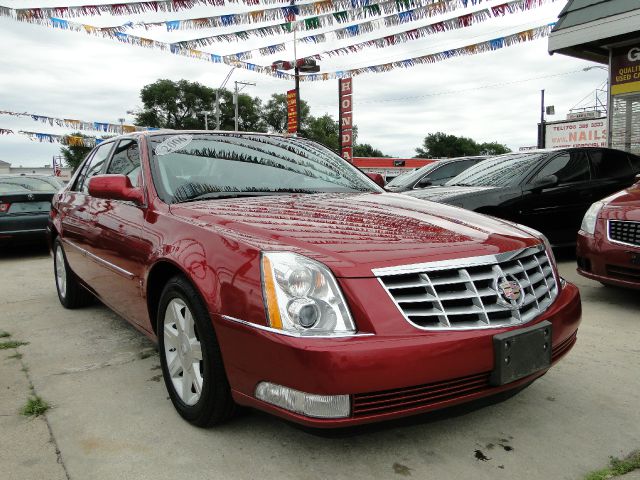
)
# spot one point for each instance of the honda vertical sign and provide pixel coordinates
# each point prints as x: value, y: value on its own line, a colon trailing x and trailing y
x: 346, y: 118
x: 292, y: 112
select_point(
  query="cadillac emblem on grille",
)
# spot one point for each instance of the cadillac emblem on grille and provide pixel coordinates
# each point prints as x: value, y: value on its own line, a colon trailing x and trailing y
x: 509, y: 291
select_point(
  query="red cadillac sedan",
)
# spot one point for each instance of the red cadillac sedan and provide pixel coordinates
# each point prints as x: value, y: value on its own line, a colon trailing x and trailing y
x: 609, y: 240
x: 273, y: 274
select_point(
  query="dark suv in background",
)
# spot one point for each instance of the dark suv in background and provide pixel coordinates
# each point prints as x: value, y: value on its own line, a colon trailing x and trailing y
x: 548, y: 190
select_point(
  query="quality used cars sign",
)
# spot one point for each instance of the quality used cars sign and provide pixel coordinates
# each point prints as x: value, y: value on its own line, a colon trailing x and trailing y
x: 625, y: 70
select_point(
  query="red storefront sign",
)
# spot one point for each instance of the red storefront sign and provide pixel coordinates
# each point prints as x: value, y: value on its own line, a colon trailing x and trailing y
x: 292, y: 112
x: 345, y: 91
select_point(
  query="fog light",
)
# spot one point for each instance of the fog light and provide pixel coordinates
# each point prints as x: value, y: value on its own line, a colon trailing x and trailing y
x: 308, y: 404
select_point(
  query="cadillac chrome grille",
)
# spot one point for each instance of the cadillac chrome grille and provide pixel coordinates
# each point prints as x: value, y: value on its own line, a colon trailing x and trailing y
x: 478, y: 292
x: 624, y: 232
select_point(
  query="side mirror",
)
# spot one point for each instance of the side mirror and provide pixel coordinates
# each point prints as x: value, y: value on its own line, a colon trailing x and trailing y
x: 114, y: 187
x: 544, y: 182
x: 376, y: 177
x: 424, y: 182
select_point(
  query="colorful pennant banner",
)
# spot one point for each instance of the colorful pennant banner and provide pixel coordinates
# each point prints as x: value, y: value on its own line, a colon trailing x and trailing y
x: 393, y: 12
x: 70, y: 140
x: 412, y: 34
x: 476, y: 48
x: 167, y: 47
x: 82, y: 125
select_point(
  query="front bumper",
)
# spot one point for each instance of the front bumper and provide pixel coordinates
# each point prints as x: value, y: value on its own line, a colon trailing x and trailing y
x: 387, y: 375
x: 608, y: 262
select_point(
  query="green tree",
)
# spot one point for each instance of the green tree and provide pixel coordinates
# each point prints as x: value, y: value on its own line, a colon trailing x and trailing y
x: 169, y: 104
x: 441, y: 145
x: 74, y: 154
x: 323, y: 130
x: 177, y: 105
x: 366, y: 150
x: 493, y: 148
x: 274, y: 113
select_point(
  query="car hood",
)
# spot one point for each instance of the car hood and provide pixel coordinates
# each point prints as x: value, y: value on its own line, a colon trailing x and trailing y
x: 454, y: 195
x: 354, y: 233
x: 624, y: 205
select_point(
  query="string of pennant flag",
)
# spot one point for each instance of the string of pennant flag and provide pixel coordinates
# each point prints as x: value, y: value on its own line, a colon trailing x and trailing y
x: 462, y: 21
x: 474, y: 49
x: 81, y: 125
x: 310, y: 16
x: 122, y: 37
x: 393, y: 13
x: 390, y: 12
x: 69, y: 140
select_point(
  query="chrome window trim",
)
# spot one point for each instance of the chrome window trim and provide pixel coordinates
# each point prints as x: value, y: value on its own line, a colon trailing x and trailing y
x: 109, y: 265
x: 455, y: 262
x: 618, y: 242
x: 293, y: 334
x: 460, y: 263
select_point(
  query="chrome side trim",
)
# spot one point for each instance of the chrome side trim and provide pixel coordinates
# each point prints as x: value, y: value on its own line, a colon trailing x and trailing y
x: 618, y: 242
x: 456, y: 262
x: 101, y: 261
x: 292, y: 334
x: 10, y: 232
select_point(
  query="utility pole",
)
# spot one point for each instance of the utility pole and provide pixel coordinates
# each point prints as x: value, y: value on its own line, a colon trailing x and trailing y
x: 121, y: 120
x: 218, y: 91
x: 541, y: 131
x: 235, y: 98
x: 206, y: 114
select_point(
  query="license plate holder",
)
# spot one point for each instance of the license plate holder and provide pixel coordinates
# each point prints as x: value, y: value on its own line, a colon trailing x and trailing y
x: 520, y: 353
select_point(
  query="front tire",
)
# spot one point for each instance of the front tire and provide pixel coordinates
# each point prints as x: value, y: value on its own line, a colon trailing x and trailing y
x: 190, y: 356
x: 70, y: 293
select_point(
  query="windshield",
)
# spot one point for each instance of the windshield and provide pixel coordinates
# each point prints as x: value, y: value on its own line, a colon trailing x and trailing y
x: 410, y: 177
x: 32, y: 184
x: 500, y: 171
x: 197, y: 166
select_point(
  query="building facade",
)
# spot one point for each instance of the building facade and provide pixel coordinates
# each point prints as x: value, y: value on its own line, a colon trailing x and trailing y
x: 607, y: 32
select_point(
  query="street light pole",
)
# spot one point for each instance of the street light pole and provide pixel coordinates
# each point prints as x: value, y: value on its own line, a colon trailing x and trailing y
x: 235, y: 99
x: 541, y: 130
x: 206, y: 114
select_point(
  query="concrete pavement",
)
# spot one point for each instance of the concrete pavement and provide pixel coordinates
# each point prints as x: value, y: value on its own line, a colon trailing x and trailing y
x: 111, y: 417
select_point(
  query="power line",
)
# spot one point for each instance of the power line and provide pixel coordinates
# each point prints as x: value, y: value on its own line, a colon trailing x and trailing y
x: 451, y: 92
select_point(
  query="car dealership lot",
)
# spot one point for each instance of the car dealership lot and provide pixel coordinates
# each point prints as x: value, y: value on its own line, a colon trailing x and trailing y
x: 111, y: 417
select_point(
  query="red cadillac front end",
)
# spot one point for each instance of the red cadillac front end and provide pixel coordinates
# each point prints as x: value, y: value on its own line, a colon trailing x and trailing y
x: 275, y: 275
x: 609, y: 240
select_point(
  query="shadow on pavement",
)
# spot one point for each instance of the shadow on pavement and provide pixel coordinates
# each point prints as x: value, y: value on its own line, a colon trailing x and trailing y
x: 14, y: 252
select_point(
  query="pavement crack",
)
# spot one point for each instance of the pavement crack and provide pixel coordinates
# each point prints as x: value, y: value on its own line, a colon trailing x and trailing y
x: 52, y: 437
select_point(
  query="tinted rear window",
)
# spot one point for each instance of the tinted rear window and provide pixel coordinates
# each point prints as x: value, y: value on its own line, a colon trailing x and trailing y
x: 500, y: 171
x: 32, y: 184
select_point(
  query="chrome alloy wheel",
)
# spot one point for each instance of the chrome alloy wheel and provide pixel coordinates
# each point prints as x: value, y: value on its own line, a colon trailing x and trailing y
x: 61, y: 272
x: 183, y: 352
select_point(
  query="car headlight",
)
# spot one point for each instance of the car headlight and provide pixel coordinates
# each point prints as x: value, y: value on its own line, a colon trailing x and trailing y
x: 302, y: 296
x: 590, y: 218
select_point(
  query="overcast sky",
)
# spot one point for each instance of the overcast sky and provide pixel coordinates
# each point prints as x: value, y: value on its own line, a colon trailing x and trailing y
x: 489, y: 97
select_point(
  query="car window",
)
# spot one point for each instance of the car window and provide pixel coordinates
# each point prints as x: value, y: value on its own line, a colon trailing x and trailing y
x: 93, y: 167
x: 32, y: 184
x: 611, y: 164
x: 126, y: 160
x: 635, y: 163
x: 501, y: 171
x: 194, y: 166
x: 568, y: 167
x: 450, y: 170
